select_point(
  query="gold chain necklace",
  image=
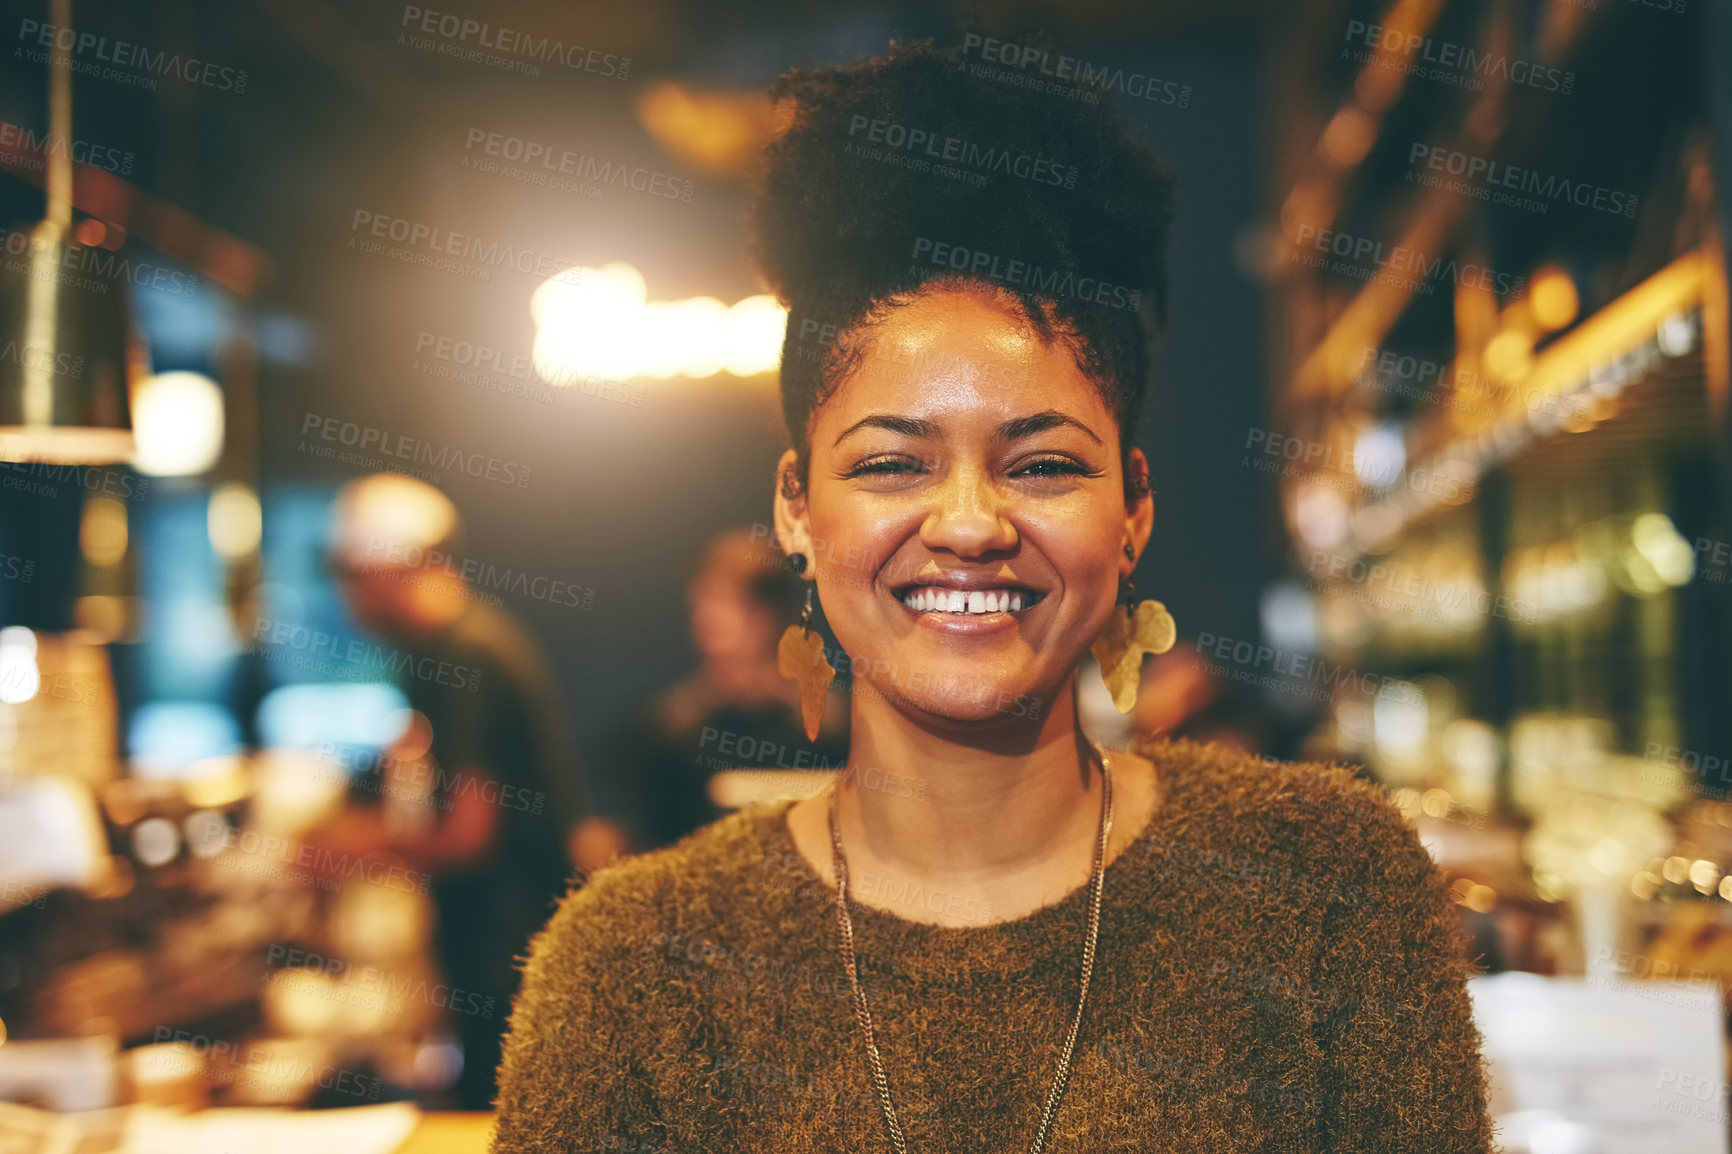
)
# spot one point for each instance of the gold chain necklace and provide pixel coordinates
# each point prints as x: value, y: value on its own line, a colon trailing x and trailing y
x: 1061, y: 1079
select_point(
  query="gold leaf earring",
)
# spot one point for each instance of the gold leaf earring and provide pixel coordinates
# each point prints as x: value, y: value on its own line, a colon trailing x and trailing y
x: 1133, y: 630
x: 800, y: 658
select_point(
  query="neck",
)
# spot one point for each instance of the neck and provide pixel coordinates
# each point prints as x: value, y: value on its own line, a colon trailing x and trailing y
x: 930, y: 802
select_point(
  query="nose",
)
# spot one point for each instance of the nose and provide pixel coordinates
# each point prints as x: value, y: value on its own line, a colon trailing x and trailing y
x: 967, y: 516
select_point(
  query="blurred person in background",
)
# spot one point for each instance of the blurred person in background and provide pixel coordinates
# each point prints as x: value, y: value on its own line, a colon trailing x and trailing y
x: 1182, y: 698
x: 498, y: 823
x: 736, y: 710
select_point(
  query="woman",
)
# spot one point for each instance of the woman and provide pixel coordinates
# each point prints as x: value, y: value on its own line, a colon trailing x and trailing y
x: 1269, y: 956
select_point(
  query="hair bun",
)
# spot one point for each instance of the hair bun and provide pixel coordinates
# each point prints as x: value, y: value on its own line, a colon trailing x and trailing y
x: 929, y: 163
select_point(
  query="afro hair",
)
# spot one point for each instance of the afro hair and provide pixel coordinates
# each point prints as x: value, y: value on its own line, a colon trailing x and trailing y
x: 928, y: 165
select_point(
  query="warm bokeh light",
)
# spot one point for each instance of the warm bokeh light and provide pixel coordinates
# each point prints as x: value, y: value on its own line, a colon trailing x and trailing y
x: 718, y: 132
x: 1510, y: 355
x: 102, y: 532
x: 599, y: 324
x: 19, y: 675
x: 178, y: 422
x: 234, y: 520
x: 1663, y: 547
x: 1552, y: 297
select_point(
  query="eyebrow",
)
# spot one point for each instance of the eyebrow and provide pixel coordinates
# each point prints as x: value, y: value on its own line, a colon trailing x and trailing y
x: 1012, y: 430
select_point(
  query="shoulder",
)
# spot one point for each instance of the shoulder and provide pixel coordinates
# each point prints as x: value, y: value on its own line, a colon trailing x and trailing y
x: 1321, y: 813
x: 486, y: 635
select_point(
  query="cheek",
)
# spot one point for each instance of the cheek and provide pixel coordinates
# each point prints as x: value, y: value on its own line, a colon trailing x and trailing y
x: 1085, y: 550
x: 853, y: 544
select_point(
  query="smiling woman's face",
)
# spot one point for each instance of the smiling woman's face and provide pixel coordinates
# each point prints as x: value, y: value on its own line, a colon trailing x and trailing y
x: 964, y: 513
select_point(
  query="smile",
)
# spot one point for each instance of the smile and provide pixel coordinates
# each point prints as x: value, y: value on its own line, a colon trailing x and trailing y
x: 970, y: 602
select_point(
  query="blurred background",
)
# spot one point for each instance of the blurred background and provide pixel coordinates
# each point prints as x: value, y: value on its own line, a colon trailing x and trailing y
x: 387, y: 423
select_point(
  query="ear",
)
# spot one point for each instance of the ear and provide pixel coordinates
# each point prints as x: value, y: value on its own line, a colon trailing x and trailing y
x: 1139, y: 516
x: 793, y: 533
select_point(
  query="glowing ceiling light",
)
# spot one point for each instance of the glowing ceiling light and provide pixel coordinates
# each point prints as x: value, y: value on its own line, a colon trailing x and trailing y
x: 599, y: 323
x: 178, y: 424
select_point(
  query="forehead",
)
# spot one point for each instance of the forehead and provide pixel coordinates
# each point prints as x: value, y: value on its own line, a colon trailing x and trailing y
x: 962, y: 352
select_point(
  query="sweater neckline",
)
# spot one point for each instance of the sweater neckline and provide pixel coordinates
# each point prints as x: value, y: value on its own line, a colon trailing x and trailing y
x: 887, y: 943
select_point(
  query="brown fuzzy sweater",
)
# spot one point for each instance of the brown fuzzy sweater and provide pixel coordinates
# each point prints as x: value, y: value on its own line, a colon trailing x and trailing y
x: 1279, y: 969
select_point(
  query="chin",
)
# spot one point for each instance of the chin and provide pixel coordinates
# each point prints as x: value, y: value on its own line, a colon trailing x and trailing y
x: 960, y: 698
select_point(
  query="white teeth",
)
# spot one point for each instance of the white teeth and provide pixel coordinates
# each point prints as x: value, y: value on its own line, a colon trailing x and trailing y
x: 937, y: 600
